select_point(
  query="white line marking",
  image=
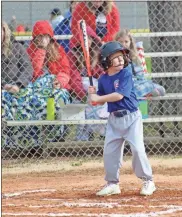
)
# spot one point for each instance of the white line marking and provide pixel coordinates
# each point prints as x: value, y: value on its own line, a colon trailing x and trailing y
x: 117, y: 200
x: 67, y: 204
x: 151, y: 214
x: 86, y: 200
x: 172, y: 189
x: 15, y: 194
x: 103, y: 205
x: 167, y: 199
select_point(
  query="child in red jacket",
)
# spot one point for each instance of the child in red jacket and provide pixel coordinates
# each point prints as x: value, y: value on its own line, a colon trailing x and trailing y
x: 46, y: 53
x: 48, y: 57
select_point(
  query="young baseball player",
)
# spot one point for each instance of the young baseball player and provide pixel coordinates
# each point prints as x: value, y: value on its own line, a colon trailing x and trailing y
x: 124, y: 122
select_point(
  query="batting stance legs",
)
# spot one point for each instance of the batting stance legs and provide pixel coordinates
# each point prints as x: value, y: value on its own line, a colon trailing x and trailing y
x: 126, y: 128
x: 119, y: 129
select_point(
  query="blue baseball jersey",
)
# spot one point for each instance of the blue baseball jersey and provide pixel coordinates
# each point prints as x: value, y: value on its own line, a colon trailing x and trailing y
x: 121, y: 83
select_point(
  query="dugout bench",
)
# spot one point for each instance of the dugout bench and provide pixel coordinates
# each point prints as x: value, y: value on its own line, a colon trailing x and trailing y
x: 74, y: 114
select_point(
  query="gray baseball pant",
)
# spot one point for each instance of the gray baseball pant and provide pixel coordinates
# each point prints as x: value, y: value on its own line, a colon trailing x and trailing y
x: 129, y: 128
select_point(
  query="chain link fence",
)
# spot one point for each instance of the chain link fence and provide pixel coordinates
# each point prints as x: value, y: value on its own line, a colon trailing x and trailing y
x: 44, y: 86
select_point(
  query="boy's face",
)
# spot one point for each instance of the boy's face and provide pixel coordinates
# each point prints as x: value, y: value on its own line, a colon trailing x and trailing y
x: 117, y: 61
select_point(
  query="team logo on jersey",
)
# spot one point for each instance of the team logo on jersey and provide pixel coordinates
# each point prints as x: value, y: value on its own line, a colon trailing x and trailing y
x: 116, y: 83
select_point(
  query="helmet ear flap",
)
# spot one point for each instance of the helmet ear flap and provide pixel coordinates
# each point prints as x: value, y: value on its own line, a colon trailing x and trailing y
x: 105, y: 62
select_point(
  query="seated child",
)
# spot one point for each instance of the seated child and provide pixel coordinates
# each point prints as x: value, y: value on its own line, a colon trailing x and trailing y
x: 143, y: 86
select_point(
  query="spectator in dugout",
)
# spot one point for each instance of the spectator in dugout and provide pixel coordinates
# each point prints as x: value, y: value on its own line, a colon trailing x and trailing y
x: 64, y: 27
x: 47, y: 55
x: 16, y: 67
x: 56, y: 17
x: 102, y: 16
x: 79, y: 81
x: 16, y: 74
x: 51, y: 70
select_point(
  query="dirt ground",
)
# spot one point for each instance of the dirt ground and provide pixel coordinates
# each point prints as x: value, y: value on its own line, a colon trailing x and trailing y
x: 68, y: 189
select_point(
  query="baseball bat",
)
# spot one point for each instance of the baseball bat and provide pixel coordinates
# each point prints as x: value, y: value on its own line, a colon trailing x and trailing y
x: 84, y: 43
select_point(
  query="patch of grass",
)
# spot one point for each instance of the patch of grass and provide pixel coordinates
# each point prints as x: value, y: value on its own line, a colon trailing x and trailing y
x: 77, y: 163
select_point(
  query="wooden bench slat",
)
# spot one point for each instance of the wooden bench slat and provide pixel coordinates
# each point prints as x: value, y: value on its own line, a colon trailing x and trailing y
x: 164, y: 54
x: 164, y: 74
x: 168, y: 96
x: 100, y: 143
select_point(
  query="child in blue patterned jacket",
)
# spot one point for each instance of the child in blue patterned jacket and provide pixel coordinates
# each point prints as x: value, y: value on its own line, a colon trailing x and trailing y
x: 143, y: 86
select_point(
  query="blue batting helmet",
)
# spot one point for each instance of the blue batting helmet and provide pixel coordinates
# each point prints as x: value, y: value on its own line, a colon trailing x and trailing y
x: 110, y: 48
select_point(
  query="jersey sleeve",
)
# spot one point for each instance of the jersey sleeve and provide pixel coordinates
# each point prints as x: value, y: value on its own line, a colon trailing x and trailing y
x: 125, y: 82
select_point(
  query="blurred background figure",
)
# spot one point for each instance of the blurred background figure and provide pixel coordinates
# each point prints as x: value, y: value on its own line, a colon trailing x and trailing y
x: 56, y: 17
x: 16, y: 74
x: 102, y: 16
x: 64, y: 27
x: 28, y: 27
x: 13, y: 23
x: 20, y: 28
x: 16, y: 68
x: 71, y: 7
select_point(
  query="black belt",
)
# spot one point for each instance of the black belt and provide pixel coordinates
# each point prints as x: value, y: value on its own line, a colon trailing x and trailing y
x: 122, y: 113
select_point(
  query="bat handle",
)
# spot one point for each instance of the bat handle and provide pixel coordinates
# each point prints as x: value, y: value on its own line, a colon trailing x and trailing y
x: 91, y: 81
x: 91, y: 84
